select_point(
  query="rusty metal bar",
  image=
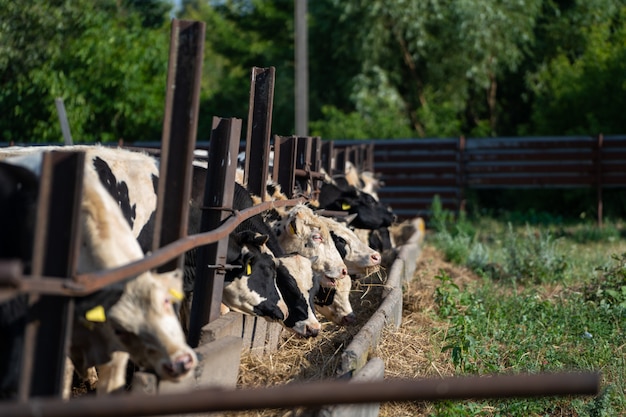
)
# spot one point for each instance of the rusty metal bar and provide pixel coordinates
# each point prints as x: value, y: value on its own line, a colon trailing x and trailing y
x: 87, y: 283
x: 180, y: 125
x: 461, y: 177
x: 259, y: 129
x: 55, y: 253
x: 327, y: 156
x: 303, y: 161
x: 598, y: 162
x: 340, y: 157
x: 284, y: 167
x: 218, y: 192
x: 316, y: 394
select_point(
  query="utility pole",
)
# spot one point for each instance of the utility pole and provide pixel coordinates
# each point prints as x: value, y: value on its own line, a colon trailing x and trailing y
x: 302, y: 68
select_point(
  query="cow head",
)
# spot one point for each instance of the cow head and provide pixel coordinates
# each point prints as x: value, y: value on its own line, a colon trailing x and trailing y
x: 145, y: 322
x: 298, y: 284
x: 252, y: 288
x: 334, y: 303
x: 302, y: 231
x: 358, y: 256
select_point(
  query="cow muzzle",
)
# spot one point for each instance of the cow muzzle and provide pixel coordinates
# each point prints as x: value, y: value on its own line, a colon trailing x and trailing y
x: 179, y: 367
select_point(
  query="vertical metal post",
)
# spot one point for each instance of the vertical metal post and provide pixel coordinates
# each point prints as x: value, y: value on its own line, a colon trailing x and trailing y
x: 598, y: 163
x: 55, y: 253
x: 302, y: 68
x: 218, y: 194
x: 284, y: 168
x: 178, y: 142
x: 327, y: 156
x: 340, y: 158
x: 65, y: 125
x: 460, y: 174
x: 259, y: 129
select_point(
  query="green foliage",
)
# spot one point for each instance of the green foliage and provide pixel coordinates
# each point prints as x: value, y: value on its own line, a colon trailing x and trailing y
x: 532, y: 257
x: 381, y: 123
x: 490, y: 327
x: 608, y: 289
x: 109, y: 69
x: 582, y: 90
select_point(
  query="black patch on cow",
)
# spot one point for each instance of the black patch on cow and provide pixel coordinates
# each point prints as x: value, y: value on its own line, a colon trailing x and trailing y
x: 146, y: 234
x: 325, y: 296
x: 118, y: 190
x: 263, y: 271
x: 340, y: 244
x: 298, y: 307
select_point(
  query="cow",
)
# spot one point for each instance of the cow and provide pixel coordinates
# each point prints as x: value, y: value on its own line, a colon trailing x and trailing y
x: 300, y: 230
x: 359, y: 258
x: 296, y: 280
x: 334, y: 303
x: 136, y: 318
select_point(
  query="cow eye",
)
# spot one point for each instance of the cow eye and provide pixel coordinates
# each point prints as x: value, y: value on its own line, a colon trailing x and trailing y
x: 317, y: 237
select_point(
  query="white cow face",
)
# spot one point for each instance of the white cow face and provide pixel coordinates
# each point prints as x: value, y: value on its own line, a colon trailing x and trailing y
x: 146, y: 324
x: 334, y: 303
x: 302, y: 231
x: 357, y: 255
x: 298, y: 284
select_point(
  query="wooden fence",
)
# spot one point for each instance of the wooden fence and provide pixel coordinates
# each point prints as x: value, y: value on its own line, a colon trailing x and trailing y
x: 415, y: 170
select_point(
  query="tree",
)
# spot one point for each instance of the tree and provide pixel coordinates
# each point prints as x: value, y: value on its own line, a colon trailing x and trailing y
x: 242, y: 34
x: 580, y: 87
x: 109, y: 69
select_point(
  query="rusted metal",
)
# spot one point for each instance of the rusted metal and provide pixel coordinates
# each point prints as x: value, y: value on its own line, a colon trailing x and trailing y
x: 598, y: 173
x: 284, y: 163
x: 179, y: 134
x: 327, y: 156
x: 55, y: 253
x: 303, y: 162
x: 259, y: 129
x: 87, y: 283
x: 218, y: 192
x: 317, y: 394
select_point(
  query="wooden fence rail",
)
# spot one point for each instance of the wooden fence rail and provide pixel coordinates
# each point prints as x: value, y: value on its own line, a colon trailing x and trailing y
x: 415, y: 170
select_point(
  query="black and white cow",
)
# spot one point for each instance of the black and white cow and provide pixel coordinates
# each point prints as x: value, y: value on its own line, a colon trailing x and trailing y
x: 296, y: 279
x: 140, y: 321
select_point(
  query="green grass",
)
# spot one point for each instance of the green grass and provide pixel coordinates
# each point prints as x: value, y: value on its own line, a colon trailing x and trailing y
x: 550, y: 298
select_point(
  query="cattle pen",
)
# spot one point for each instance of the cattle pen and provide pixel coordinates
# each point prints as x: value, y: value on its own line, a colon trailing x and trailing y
x: 219, y: 340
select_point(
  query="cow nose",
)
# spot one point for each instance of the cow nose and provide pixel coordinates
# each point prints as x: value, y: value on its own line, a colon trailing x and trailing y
x: 180, y: 366
x: 344, y: 272
x: 375, y: 258
x: 311, y: 332
x: 348, y: 319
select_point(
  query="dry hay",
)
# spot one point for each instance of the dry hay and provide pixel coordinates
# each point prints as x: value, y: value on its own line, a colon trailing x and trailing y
x: 411, y: 351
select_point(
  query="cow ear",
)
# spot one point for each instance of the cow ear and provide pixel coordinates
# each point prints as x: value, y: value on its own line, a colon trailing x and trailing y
x: 260, y: 239
x: 292, y: 227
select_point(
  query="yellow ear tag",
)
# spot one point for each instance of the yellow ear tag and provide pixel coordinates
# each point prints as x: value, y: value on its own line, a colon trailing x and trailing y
x: 248, y: 270
x: 96, y: 314
x: 176, y: 294
x: 345, y: 206
x: 292, y: 229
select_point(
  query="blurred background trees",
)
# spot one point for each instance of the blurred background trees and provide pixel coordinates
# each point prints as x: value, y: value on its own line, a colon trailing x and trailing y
x: 377, y: 68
